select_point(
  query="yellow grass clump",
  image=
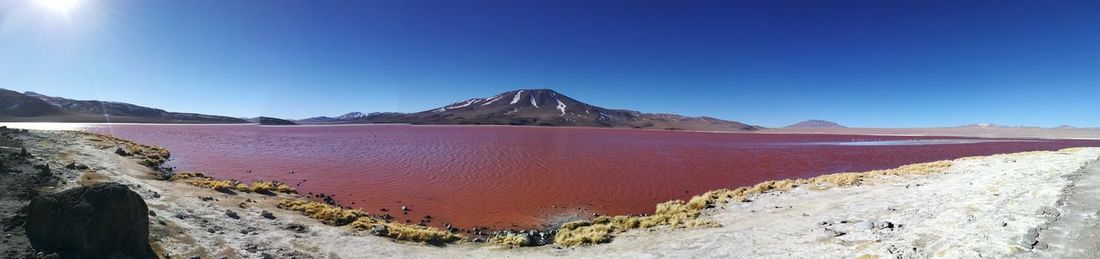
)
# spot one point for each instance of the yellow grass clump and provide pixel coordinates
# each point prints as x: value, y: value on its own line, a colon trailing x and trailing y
x: 328, y: 214
x: 270, y: 186
x: 509, y: 240
x: 185, y: 175
x: 407, y: 232
x: 217, y: 185
x: 678, y: 213
x: 264, y: 187
x: 591, y: 234
x: 356, y: 219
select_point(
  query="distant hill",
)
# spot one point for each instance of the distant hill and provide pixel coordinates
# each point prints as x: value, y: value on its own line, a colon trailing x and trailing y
x: 14, y: 105
x: 542, y: 107
x: 35, y: 107
x: 274, y: 121
x: 816, y: 124
x: 997, y: 126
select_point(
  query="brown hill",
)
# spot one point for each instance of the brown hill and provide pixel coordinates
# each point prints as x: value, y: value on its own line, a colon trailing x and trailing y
x: 34, y: 107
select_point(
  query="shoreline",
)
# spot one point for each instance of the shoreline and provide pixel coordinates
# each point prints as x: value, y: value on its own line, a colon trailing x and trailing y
x: 186, y: 225
x: 946, y: 132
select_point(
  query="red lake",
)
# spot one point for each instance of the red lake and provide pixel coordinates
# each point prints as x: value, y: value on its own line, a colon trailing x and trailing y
x: 524, y: 177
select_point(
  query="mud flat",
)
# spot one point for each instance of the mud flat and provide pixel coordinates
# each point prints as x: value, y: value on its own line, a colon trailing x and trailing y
x: 1033, y: 204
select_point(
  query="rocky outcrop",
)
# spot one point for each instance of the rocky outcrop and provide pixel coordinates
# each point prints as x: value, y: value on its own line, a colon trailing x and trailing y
x: 105, y: 220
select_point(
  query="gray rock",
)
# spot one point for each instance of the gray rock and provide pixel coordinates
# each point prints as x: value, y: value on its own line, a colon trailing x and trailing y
x: 267, y: 214
x: 232, y: 214
x: 379, y: 230
x: 296, y: 227
x: 1030, y: 239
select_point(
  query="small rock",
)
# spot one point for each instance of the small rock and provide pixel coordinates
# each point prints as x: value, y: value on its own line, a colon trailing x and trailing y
x: 379, y: 230
x: 1030, y: 239
x: 296, y: 227
x: 267, y: 214
x: 232, y: 214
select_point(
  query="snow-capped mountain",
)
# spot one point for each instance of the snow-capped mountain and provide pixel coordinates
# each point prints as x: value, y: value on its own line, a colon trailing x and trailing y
x: 545, y: 107
x: 351, y: 116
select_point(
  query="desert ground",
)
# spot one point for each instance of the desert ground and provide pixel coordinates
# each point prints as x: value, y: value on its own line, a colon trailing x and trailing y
x: 990, y: 132
x: 1033, y: 204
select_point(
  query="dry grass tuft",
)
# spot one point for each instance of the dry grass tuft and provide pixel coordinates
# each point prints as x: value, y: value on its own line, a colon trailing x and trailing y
x: 185, y: 175
x: 509, y: 240
x: 328, y: 214
x: 217, y: 185
x: 416, y: 233
x: 593, y: 234
x: 151, y: 156
x: 269, y: 187
x: 356, y: 219
x: 263, y: 187
x: 686, y: 214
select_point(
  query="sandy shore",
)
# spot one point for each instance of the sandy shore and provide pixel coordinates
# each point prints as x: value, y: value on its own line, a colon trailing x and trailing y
x: 1037, y: 133
x: 1035, y: 204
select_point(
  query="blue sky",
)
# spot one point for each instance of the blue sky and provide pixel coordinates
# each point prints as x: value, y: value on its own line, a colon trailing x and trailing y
x: 771, y: 63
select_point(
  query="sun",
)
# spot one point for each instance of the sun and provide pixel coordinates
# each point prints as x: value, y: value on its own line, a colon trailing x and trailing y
x: 61, y: 6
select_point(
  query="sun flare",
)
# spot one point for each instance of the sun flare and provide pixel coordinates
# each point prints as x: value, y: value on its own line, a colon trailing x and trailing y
x: 61, y: 6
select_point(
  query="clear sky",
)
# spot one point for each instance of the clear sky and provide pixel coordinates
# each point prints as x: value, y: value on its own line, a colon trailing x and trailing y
x: 771, y: 63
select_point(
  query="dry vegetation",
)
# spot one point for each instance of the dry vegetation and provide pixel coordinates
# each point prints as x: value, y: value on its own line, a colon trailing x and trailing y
x: 678, y: 213
x: 356, y: 219
x: 328, y: 214
x: 262, y: 187
x: 509, y: 240
x: 151, y: 156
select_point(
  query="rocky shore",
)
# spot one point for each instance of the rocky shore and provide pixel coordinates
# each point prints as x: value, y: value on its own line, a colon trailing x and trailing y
x: 1033, y: 204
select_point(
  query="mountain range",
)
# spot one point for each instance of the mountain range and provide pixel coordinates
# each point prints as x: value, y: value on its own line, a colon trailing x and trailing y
x: 816, y: 124
x: 35, y: 107
x: 539, y: 107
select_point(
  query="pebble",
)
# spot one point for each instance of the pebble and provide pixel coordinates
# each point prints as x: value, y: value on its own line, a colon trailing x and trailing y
x: 232, y: 214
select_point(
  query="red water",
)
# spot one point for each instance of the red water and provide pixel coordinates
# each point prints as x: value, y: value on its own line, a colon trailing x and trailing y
x: 505, y: 177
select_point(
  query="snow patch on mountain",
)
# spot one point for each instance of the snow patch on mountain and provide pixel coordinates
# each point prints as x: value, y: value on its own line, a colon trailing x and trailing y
x: 533, y: 103
x: 516, y: 99
x: 351, y: 116
x: 467, y: 103
x: 498, y: 97
x: 561, y: 107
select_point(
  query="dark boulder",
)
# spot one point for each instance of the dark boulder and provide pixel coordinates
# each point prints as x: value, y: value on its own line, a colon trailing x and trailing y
x: 105, y: 220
